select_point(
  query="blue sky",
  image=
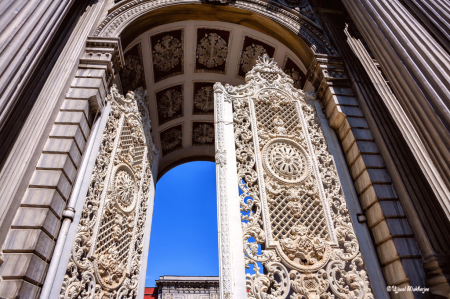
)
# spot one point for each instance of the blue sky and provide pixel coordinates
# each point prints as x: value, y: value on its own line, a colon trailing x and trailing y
x: 184, y: 228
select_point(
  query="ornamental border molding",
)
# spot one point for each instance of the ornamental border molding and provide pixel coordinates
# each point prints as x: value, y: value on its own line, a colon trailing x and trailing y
x: 125, y: 13
x: 225, y: 263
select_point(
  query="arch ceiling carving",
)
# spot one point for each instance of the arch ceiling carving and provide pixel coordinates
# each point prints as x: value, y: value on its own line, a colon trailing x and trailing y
x: 180, y: 89
x: 289, y: 14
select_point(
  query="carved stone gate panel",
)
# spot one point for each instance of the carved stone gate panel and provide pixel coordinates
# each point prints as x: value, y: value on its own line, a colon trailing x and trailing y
x: 106, y: 256
x: 297, y: 233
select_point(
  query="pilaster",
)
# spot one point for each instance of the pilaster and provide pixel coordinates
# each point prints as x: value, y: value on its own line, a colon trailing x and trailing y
x: 397, y: 250
x: 31, y: 239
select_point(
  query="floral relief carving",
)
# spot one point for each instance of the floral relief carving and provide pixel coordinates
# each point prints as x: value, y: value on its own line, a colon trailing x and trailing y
x: 286, y: 160
x: 204, y: 99
x: 250, y: 55
x: 212, y: 50
x: 170, y: 103
x: 132, y: 73
x: 171, y: 139
x: 107, y: 252
x: 251, y: 50
x: 203, y: 134
x: 291, y: 199
x: 167, y: 53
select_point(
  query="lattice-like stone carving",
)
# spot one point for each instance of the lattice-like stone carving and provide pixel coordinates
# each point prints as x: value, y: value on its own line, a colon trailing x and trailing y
x: 291, y: 198
x: 106, y: 256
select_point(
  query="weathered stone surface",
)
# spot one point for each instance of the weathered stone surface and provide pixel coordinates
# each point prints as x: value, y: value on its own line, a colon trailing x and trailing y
x: 69, y: 131
x: 44, y: 198
x: 24, y: 265
x: 71, y: 117
x: 30, y: 240
x: 52, y: 179
x: 58, y: 162
x: 58, y: 145
x: 19, y: 287
x: 28, y: 217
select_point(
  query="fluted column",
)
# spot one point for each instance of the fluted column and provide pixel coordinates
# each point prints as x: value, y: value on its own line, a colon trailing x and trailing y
x: 418, y: 69
x: 435, y: 14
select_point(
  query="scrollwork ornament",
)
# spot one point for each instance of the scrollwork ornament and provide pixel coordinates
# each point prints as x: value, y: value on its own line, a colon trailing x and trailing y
x: 106, y: 255
x: 294, y: 215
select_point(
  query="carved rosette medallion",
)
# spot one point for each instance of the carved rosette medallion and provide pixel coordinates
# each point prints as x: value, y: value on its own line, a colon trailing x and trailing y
x: 250, y: 55
x: 286, y: 160
x: 124, y: 188
x: 297, y: 234
x: 204, y: 99
x: 167, y: 53
x: 106, y: 255
x: 212, y: 50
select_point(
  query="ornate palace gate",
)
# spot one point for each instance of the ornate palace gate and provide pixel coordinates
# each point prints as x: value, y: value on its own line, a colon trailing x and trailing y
x: 290, y: 223
x: 296, y: 227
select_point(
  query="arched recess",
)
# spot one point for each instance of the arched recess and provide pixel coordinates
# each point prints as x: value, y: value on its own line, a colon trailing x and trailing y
x: 180, y: 99
x: 129, y: 20
x: 132, y: 20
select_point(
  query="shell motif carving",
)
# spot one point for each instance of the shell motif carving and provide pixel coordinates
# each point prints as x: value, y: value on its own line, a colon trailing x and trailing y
x: 106, y: 256
x: 297, y: 234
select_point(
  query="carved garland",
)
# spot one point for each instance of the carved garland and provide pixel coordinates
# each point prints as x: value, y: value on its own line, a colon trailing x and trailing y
x: 291, y: 198
x: 106, y: 256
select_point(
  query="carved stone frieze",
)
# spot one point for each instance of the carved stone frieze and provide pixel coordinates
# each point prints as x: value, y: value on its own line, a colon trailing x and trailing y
x: 294, y: 217
x: 295, y: 21
x: 106, y: 256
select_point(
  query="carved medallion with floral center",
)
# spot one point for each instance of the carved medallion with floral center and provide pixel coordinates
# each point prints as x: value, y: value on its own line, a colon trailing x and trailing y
x: 124, y: 185
x: 250, y: 56
x: 204, y: 99
x: 125, y: 189
x: 202, y: 133
x: 167, y: 53
x: 212, y: 50
x: 286, y: 160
